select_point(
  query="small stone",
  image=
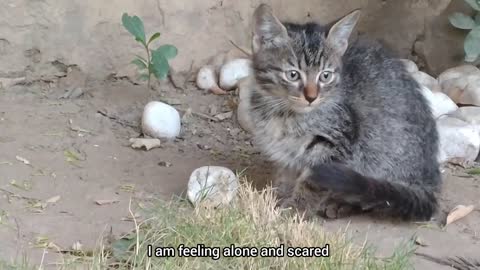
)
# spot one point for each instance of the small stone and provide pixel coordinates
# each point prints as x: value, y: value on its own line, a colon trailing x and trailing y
x: 146, y: 143
x: 409, y: 65
x: 458, y: 139
x: 160, y: 120
x: 462, y: 84
x: 165, y: 164
x: 426, y: 80
x: 203, y: 146
x: 224, y: 116
x: 440, y: 104
x: 212, y: 186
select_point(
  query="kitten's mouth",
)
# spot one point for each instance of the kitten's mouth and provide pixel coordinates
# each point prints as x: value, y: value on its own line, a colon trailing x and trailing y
x: 302, y: 105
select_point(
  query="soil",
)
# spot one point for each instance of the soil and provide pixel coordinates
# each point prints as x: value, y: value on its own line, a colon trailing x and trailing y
x: 77, y: 148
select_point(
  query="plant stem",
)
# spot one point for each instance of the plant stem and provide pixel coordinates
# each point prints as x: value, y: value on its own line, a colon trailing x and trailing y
x: 149, y: 63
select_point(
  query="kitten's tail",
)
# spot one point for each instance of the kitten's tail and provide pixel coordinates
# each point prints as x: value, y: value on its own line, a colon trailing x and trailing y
x: 408, y: 202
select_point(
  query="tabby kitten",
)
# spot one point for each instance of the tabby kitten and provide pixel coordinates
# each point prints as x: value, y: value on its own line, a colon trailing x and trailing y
x: 345, y: 124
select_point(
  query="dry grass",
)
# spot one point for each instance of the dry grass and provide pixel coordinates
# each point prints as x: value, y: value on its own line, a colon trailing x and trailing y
x: 252, y: 221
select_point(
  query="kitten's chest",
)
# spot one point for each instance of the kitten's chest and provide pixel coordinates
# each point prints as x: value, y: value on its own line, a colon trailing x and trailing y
x: 284, y: 141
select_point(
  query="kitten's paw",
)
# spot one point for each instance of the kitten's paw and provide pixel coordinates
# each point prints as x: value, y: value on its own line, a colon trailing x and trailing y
x: 336, y: 210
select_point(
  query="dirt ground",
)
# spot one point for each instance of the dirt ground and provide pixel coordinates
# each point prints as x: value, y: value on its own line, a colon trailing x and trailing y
x: 78, y: 149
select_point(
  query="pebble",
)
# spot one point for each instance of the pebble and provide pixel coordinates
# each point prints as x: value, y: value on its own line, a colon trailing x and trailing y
x: 160, y: 120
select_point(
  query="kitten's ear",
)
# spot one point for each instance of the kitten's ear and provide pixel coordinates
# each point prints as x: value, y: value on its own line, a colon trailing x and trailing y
x: 340, y: 32
x: 268, y: 31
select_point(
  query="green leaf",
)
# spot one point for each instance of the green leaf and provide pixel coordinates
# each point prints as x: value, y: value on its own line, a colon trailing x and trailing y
x: 160, y: 65
x: 462, y: 21
x: 140, y: 64
x: 134, y: 25
x: 168, y: 51
x: 474, y: 4
x: 475, y: 171
x: 472, y: 45
x: 152, y: 38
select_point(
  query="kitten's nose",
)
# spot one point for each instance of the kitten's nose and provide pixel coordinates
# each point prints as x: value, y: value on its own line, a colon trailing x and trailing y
x: 311, y: 93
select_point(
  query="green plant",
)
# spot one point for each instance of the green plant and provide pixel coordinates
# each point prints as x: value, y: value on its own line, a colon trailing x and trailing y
x: 463, y: 21
x: 156, y: 62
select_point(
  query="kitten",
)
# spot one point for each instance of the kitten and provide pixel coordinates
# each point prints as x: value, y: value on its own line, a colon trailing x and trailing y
x: 345, y: 124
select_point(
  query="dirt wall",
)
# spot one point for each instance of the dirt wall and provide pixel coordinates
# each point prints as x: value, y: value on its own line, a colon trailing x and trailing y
x: 88, y: 33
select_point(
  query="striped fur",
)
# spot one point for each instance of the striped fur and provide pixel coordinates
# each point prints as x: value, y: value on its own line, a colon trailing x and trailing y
x: 369, y: 129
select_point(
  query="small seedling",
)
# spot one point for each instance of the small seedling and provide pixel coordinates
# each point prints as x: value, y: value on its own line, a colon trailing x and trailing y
x: 156, y: 61
x: 472, y: 41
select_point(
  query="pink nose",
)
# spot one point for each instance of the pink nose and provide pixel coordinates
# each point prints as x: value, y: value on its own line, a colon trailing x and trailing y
x: 310, y: 92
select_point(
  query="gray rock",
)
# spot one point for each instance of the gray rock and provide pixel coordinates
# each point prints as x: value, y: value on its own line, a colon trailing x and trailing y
x: 458, y: 139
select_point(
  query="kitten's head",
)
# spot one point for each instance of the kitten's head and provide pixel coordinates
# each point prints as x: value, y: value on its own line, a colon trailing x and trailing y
x: 299, y: 65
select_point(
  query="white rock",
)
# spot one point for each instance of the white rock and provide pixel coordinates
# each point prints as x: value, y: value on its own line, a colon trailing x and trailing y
x: 458, y: 72
x: 462, y: 84
x: 243, y: 110
x: 470, y: 115
x: 440, y: 104
x: 160, y: 120
x: 233, y: 71
x: 426, y: 80
x: 458, y: 139
x: 207, y: 80
x: 409, y: 65
x: 212, y: 186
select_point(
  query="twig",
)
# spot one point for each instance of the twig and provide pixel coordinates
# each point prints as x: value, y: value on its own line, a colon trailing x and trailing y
x: 172, y: 73
x: 43, y: 258
x: 18, y: 196
x: 201, y: 115
x: 119, y: 121
x: 241, y: 49
x: 137, y: 230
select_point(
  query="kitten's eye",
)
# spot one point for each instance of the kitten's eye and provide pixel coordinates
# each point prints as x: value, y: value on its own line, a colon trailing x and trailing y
x: 326, y: 76
x: 292, y: 75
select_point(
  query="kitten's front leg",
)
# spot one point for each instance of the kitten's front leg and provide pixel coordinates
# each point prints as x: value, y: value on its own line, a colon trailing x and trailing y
x: 284, y: 184
x: 304, y: 198
x: 312, y: 201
